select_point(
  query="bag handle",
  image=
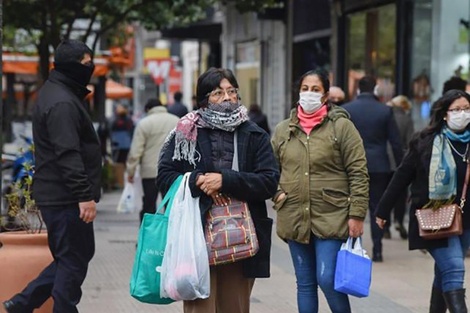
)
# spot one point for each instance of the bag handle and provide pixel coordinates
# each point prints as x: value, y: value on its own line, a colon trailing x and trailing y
x: 169, y: 196
x: 464, y: 189
x: 235, y: 152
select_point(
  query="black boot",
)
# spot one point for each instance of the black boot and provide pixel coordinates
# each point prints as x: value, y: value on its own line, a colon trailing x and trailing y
x: 455, y: 301
x: 438, y: 304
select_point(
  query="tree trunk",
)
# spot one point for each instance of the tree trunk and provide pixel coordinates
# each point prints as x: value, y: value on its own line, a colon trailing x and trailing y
x: 44, y: 55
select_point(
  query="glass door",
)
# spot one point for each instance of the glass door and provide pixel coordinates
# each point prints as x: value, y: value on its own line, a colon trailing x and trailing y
x: 371, y: 41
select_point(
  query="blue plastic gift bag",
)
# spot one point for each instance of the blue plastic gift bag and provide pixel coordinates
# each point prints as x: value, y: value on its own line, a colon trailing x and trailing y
x: 353, y: 269
x: 151, y: 243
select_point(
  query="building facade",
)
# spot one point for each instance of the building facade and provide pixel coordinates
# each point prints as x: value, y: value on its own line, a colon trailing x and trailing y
x: 411, y: 46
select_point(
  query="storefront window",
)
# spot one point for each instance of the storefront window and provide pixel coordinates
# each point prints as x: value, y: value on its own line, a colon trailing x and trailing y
x: 421, y: 62
x: 371, y: 49
x: 440, y: 52
x: 311, y: 54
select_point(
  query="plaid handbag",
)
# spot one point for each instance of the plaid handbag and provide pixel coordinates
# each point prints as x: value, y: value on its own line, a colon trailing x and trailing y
x: 230, y: 233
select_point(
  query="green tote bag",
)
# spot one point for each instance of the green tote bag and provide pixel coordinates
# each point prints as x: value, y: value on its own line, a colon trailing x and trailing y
x: 151, y: 243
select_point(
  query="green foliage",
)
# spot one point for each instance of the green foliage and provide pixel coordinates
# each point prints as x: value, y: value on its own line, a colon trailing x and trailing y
x: 244, y: 6
x: 47, y: 22
x: 22, y: 207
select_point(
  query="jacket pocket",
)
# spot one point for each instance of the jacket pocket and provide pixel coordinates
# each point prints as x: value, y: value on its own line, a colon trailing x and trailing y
x: 279, y: 204
x: 336, y: 197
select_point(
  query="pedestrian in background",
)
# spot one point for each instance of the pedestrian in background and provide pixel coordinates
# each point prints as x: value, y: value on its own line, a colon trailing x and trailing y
x: 336, y: 95
x: 178, y: 108
x: 377, y: 127
x: 256, y: 115
x: 66, y: 182
x: 122, y: 129
x: 443, y: 146
x: 149, y: 136
x: 203, y: 144
x: 401, y: 107
x: 323, y: 190
x: 455, y: 82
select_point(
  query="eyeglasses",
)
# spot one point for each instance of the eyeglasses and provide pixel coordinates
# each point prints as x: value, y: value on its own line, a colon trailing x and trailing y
x: 458, y: 110
x: 220, y: 93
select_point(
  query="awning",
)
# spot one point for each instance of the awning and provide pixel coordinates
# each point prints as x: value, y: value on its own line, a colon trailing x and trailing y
x: 114, y: 90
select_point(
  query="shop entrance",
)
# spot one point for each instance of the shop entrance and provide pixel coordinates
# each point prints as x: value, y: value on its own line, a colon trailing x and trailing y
x: 371, y: 49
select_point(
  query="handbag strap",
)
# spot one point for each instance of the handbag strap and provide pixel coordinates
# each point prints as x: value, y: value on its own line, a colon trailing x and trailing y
x: 235, y: 152
x: 465, y: 185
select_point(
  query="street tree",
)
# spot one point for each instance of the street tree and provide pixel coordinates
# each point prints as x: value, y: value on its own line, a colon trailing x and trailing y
x: 47, y: 22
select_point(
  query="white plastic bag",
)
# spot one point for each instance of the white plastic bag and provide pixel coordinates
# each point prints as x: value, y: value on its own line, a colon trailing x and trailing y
x: 185, y: 268
x: 356, y: 249
x: 127, y: 203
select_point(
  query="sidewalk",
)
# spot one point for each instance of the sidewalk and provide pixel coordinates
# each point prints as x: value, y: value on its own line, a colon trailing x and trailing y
x: 400, y: 285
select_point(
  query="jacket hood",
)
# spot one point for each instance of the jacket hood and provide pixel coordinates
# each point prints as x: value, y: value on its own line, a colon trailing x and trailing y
x: 157, y: 109
x: 335, y: 112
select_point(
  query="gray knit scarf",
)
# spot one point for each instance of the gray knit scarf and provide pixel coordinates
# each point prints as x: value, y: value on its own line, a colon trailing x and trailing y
x: 225, y: 116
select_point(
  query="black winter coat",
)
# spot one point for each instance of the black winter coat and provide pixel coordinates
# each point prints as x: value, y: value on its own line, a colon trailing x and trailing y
x: 414, y: 170
x: 255, y: 182
x: 67, y: 148
x: 376, y: 124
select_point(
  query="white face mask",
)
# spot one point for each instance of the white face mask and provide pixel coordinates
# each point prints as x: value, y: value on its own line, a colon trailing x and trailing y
x: 458, y: 120
x: 310, y: 101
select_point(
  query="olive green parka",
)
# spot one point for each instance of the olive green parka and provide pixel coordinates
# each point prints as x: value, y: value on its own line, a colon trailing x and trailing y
x: 324, y: 175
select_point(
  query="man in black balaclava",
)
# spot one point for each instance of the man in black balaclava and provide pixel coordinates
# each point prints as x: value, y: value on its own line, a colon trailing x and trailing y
x: 66, y: 183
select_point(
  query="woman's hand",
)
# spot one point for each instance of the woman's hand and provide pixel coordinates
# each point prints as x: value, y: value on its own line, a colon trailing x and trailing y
x: 280, y: 197
x: 210, y: 184
x: 380, y: 222
x: 356, y: 227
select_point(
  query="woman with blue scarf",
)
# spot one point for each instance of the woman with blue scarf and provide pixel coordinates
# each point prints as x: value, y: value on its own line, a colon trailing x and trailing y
x: 435, y: 166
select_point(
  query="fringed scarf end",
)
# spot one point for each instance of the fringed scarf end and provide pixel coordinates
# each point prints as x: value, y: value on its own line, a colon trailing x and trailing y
x: 435, y: 204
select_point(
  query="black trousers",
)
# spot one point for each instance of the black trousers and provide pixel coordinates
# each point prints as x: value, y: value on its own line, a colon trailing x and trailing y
x: 377, y: 185
x: 72, y: 244
x: 149, y: 199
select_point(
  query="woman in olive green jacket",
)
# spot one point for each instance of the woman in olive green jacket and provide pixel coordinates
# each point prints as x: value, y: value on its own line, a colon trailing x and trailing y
x: 323, y: 191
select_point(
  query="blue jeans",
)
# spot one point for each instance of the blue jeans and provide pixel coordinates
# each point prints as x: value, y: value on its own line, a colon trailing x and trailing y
x: 449, y: 267
x: 314, y: 265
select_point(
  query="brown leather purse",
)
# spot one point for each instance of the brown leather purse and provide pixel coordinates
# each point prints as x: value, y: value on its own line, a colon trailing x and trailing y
x: 444, y: 221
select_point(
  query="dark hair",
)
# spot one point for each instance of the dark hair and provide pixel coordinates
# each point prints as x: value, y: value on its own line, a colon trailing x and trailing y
x: 454, y: 82
x: 367, y: 84
x: 151, y: 103
x: 322, y: 75
x: 209, y: 81
x: 178, y: 96
x: 71, y: 51
x: 440, y: 107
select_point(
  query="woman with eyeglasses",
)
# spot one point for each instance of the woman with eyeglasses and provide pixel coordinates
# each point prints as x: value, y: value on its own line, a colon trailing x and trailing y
x: 323, y: 191
x: 435, y: 166
x: 203, y: 144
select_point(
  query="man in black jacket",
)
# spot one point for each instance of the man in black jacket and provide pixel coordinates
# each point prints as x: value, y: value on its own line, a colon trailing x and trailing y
x: 66, y: 183
x: 377, y: 127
